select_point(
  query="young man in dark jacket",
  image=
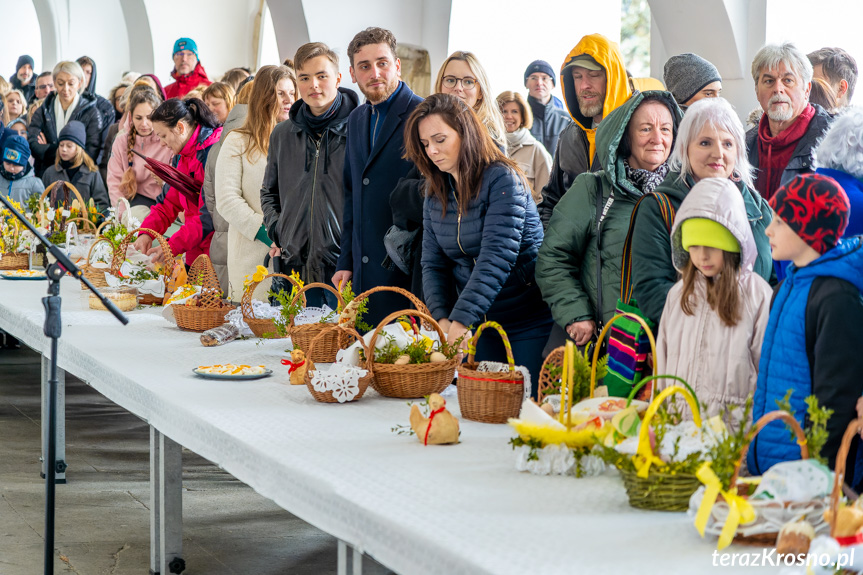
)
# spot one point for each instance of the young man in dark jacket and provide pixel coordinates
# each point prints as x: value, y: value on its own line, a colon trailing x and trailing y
x: 813, y: 339
x: 302, y: 194
x: 373, y: 167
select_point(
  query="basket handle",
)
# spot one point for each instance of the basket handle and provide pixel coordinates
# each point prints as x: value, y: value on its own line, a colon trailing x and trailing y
x: 645, y: 456
x: 396, y: 315
x: 327, y: 287
x: 471, y: 346
x: 345, y: 329
x: 120, y: 252
x: 99, y: 240
x: 211, y: 292
x: 246, y: 301
x: 839, y: 477
x: 83, y: 221
x: 49, y: 189
x: 763, y: 422
x: 647, y: 380
x: 417, y: 303
x: 601, y: 338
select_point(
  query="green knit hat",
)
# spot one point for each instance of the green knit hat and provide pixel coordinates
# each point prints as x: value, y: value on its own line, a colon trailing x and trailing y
x: 708, y: 233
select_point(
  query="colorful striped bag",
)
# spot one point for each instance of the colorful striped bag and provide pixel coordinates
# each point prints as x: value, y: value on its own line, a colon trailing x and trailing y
x: 628, y: 344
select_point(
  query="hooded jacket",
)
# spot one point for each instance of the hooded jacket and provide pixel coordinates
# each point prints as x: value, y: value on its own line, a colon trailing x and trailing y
x: 22, y: 188
x: 44, y: 121
x: 106, y: 109
x: 576, y: 150
x: 531, y: 157
x: 812, y: 347
x: 652, y: 271
x: 303, y: 190
x: 549, y: 120
x: 567, y: 269
x: 29, y: 90
x: 193, y: 238
x: 219, y: 243
x: 718, y: 361
x: 151, y: 147
x: 185, y: 84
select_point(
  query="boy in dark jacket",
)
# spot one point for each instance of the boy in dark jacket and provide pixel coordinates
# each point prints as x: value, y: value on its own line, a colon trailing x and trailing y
x: 302, y: 194
x: 813, y: 339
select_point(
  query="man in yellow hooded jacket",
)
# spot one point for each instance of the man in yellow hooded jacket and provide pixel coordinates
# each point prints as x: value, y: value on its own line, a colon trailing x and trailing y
x: 594, y: 83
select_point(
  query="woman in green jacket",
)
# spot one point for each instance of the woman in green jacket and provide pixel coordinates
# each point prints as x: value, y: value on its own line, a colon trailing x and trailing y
x: 710, y: 144
x: 578, y: 269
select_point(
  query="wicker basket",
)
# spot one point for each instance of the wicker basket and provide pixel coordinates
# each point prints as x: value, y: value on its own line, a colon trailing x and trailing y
x: 852, y: 431
x: 417, y: 303
x: 16, y: 260
x: 302, y: 335
x: 364, y: 382
x: 410, y: 381
x: 660, y: 491
x: 489, y: 397
x: 262, y: 327
x: 95, y: 275
x: 211, y: 313
x: 168, y: 261
x: 64, y: 187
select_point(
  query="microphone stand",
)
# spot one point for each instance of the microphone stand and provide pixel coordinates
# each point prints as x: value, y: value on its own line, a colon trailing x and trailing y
x: 52, y: 329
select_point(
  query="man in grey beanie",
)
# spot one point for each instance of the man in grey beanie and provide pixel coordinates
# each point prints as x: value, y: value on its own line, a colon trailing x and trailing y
x: 549, y: 119
x: 689, y: 78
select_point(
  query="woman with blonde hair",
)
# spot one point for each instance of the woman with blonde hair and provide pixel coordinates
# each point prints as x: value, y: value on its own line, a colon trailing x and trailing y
x: 463, y: 76
x: 16, y: 106
x: 521, y: 146
x: 239, y: 173
x: 219, y: 98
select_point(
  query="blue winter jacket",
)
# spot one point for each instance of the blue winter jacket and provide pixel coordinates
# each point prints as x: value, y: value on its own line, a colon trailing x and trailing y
x: 481, y: 265
x: 812, y: 346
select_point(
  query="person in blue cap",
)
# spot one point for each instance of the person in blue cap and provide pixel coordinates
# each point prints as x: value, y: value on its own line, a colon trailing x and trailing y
x: 549, y: 116
x: 17, y: 179
x: 188, y: 72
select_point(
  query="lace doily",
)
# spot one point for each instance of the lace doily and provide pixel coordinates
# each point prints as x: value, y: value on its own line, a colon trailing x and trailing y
x: 261, y: 310
x: 498, y: 366
x: 342, y: 379
x: 557, y: 459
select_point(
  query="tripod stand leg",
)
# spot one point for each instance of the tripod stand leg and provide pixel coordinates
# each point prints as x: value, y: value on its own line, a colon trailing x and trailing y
x: 60, y: 430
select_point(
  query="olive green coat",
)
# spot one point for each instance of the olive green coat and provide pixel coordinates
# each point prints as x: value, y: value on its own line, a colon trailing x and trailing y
x: 566, y: 269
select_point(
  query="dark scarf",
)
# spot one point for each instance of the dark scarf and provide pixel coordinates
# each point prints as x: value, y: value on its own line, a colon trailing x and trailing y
x: 13, y: 177
x: 317, y: 124
x: 645, y: 180
x: 774, y: 152
x: 71, y: 171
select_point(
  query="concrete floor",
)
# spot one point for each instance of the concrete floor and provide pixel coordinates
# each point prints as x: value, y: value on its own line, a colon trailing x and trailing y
x: 102, y: 520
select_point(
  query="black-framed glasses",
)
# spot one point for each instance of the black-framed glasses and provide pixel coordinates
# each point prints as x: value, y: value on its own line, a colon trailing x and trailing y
x: 44, y: 86
x: 466, y: 83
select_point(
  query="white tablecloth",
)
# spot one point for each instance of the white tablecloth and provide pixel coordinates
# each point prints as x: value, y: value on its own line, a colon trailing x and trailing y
x: 459, y: 509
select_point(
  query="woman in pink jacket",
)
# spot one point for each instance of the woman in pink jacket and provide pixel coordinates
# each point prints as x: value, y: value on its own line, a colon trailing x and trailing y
x: 188, y: 128
x: 128, y: 176
x: 715, y: 316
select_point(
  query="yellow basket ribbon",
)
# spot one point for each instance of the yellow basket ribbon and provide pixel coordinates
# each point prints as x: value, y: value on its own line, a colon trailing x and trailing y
x: 739, y: 509
x: 644, y: 456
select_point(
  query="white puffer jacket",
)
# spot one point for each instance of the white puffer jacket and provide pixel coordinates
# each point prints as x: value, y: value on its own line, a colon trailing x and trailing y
x: 719, y: 362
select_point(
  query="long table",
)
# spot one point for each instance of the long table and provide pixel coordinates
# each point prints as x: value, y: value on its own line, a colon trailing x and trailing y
x: 460, y: 509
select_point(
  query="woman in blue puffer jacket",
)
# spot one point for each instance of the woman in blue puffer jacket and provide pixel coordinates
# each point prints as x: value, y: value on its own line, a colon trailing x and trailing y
x: 481, y: 233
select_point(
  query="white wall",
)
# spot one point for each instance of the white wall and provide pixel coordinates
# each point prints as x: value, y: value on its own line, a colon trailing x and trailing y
x: 22, y: 37
x: 507, y: 35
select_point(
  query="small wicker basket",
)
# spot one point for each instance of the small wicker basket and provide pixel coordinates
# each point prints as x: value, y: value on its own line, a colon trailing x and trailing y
x: 95, y: 275
x: 262, y: 327
x: 14, y: 260
x: 302, y: 335
x: 489, y: 397
x: 410, y: 381
x: 167, y: 257
x: 364, y: 382
x: 211, y: 313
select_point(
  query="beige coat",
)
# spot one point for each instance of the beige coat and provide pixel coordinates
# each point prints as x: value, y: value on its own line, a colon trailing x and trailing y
x: 532, y: 158
x: 719, y: 362
x: 238, y: 200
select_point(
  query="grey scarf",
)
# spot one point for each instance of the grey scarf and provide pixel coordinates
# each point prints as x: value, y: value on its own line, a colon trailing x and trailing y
x: 645, y: 180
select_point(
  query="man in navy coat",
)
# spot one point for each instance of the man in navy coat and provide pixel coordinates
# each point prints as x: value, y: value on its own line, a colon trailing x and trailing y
x: 373, y: 167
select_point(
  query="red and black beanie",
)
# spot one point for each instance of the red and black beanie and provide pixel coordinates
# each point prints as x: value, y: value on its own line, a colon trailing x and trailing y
x: 815, y: 207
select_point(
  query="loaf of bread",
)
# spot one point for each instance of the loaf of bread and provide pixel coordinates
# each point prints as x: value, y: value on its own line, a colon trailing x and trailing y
x: 220, y: 335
